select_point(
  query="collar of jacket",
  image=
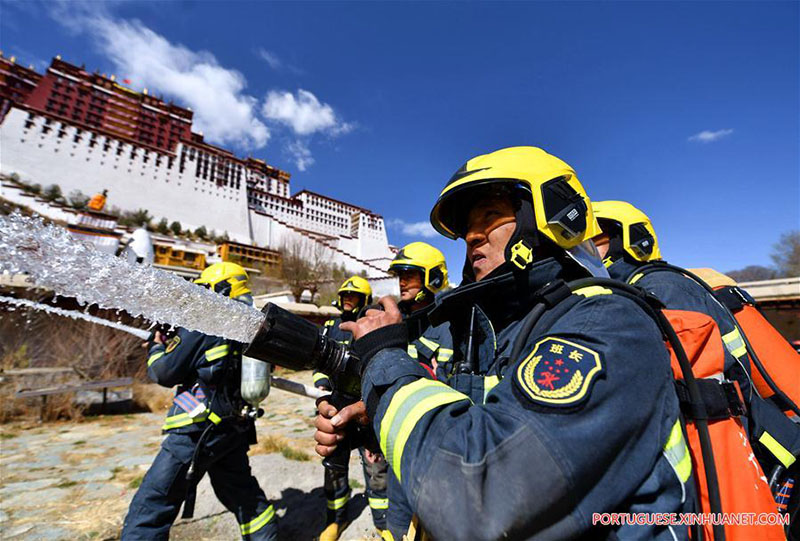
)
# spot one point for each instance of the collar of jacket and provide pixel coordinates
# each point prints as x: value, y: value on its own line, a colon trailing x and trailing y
x: 509, y: 304
x: 621, y: 269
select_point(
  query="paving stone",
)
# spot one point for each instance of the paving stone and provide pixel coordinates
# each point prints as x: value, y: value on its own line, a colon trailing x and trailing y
x: 28, y: 499
x: 46, y: 460
x: 17, y: 530
x: 99, y: 491
x: 131, y: 461
x: 13, y: 488
x: 46, y: 532
x: 95, y: 474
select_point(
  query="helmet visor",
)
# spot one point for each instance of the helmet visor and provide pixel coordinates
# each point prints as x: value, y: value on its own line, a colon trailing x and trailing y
x: 450, y: 215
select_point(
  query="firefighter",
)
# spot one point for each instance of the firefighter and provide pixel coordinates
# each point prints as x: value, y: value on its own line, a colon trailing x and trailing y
x: 421, y: 271
x: 630, y: 249
x: 583, y: 419
x: 422, y: 274
x: 354, y: 294
x: 206, y: 370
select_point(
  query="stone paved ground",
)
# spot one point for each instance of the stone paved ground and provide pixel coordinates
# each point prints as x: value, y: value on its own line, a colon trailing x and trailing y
x: 75, y: 480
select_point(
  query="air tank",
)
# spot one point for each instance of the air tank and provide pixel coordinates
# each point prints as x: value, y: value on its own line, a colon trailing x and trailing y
x: 255, y: 380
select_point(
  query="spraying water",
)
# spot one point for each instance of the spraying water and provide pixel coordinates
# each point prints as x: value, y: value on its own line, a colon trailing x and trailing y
x: 25, y: 303
x: 256, y: 367
x: 57, y: 261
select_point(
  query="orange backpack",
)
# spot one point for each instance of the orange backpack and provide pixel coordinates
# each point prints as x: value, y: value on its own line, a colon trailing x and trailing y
x: 742, y: 484
x: 727, y: 475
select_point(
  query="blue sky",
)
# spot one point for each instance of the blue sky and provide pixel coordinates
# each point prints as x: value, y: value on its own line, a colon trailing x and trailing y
x: 688, y: 110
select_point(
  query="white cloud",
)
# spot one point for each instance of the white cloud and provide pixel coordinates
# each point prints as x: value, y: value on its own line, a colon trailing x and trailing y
x: 270, y: 58
x: 707, y: 136
x: 222, y: 110
x: 303, y: 113
x: 413, y: 229
x: 301, y: 154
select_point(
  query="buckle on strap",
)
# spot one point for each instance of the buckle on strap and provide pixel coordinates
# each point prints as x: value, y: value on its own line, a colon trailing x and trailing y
x: 734, y: 298
x: 553, y: 293
x: 722, y: 399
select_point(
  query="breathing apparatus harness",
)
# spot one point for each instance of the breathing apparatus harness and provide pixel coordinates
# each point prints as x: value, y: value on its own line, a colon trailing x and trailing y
x: 547, y: 298
x: 661, y: 265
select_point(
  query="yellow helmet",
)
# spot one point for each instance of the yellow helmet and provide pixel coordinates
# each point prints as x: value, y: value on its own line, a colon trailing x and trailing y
x: 621, y: 219
x: 355, y: 284
x: 225, y: 278
x: 557, y: 209
x: 426, y: 259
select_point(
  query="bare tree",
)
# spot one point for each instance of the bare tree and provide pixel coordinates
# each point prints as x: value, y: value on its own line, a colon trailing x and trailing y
x: 304, y: 265
x: 752, y: 273
x: 786, y: 254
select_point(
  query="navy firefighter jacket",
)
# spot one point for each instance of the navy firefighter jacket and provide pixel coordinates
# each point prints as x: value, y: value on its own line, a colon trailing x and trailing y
x: 773, y: 435
x: 585, y: 421
x: 206, y: 370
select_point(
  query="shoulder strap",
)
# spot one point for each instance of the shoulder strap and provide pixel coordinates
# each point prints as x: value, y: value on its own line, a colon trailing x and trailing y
x: 721, y: 300
x: 639, y: 272
x: 652, y: 306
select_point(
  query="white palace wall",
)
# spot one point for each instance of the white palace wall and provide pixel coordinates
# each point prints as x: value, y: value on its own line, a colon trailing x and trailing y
x: 144, y: 180
x: 190, y: 187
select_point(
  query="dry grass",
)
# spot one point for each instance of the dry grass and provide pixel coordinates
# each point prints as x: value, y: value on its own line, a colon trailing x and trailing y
x: 278, y: 444
x: 33, y: 339
x: 152, y: 397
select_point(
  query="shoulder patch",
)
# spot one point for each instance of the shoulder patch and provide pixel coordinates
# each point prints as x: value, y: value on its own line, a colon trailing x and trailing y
x: 172, y: 343
x: 558, y: 373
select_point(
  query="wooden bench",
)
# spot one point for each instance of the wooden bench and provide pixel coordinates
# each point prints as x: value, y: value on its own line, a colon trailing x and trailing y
x: 88, y: 386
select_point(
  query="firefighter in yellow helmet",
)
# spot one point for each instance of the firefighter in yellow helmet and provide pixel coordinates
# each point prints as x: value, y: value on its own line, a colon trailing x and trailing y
x: 228, y: 279
x: 630, y: 250
x: 207, y: 372
x: 582, y: 417
x: 353, y: 296
x: 421, y: 270
x: 422, y: 273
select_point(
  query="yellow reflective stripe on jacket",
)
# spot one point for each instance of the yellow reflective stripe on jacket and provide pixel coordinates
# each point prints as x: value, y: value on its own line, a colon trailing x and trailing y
x: 259, y: 522
x: 154, y: 357
x: 677, y: 453
x: 489, y: 383
x: 319, y: 376
x: 378, y: 503
x: 412, y: 351
x: 780, y: 452
x: 444, y: 355
x: 407, y: 407
x: 591, y: 291
x: 430, y: 343
x: 338, y: 503
x: 734, y: 343
x: 181, y: 419
x: 217, y: 353
x: 635, y: 278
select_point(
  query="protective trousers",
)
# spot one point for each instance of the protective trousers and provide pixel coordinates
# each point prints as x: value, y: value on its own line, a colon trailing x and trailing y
x: 158, y: 500
x: 337, y: 492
